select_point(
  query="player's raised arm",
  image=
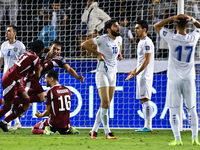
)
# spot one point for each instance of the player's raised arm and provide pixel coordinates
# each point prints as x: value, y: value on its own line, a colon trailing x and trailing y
x: 158, y: 26
x: 194, y: 21
x: 73, y: 73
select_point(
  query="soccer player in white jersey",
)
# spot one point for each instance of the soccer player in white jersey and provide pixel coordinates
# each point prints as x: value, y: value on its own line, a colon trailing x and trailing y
x: 181, y: 73
x: 10, y: 52
x: 109, y: 47
x: 144, y: 73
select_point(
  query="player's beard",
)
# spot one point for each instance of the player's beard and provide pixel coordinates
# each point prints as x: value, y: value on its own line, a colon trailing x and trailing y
x: 114, y: 33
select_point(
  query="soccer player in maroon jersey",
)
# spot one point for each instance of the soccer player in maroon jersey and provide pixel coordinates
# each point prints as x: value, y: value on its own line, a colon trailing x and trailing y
x: 28, y: 63
x: 49, y: 59
x: 57, y: 106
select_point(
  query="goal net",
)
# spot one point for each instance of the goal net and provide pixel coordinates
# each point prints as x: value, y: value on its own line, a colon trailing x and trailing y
x: 34, y: 18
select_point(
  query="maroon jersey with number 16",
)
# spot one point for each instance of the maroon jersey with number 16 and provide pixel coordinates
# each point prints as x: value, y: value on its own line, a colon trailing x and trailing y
x: 59, y: 97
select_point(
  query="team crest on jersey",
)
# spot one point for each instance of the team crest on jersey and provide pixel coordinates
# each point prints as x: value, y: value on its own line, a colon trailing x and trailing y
x: 147, y: 48
x: 46, y: 64
x: 15, y: 49
x: 164, y: 33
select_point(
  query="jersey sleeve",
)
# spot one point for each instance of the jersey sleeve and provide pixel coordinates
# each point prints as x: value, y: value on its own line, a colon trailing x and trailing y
x: 196, y: 32
x: 1, y: 53
x: 98, y: 40
x: 147, y: 47
x: 119, y: 40
x: 36, y: 64
x: 59, y: 61
x: 166, y: 35
x: 23, y: 48
x: 48, y: 97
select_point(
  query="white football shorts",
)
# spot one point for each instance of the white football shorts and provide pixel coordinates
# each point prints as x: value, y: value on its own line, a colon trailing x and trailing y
x: 177, y: 89
x: 143, y: 88
x: 105, y: 79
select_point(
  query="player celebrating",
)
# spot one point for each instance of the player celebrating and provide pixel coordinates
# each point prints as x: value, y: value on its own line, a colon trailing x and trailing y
x: 57, y: 106
x: 28, y: 62
x: 181, y: 73
x: 144, y: 73
x: 49, y: 59
x: 10, y: 52
x: 109, y: 47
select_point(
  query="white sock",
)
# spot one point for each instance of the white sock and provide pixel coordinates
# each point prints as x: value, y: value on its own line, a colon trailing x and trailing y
x: 17, y: 120
x: 147, y: 111
x: 97, y: 121
x: 175, y: 123
x: 105, y: 120
x: 193, y: 119
x: 8, y: 113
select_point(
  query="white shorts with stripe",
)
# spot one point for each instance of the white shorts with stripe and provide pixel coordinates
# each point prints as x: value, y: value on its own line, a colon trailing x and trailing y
x: 143, y: 88
x: 177, y: 89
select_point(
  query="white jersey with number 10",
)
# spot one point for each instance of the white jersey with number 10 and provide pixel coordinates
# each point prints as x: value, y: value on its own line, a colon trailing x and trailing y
x: 110, y: 49
x: 181, y: 54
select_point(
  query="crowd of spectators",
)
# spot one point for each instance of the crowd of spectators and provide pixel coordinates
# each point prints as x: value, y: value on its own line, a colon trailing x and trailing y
x: 57, y: 19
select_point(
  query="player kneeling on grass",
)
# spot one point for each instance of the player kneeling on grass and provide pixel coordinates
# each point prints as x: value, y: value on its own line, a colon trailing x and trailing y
x: 56, y: 107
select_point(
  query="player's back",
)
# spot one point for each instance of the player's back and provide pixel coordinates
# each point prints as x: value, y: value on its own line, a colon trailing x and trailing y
x: 181, y: 54
x: 27, y: 63
x: 60, y: 98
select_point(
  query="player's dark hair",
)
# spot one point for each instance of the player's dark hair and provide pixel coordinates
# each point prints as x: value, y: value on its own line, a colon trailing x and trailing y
x: 109, y: 23
x: 143, y: 24
x: 182, y: 23
x: 56, y: 42
x: 37, y: 46
x: 52, y: 74
x: 14, y: 28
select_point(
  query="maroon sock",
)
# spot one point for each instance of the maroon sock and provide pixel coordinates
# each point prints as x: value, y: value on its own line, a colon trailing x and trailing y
x: 38, y: 131
x: 4, y: 110
x: 18, y: 100
x: 0, y: 101
x: 10, y: 117
x: 34, y: 98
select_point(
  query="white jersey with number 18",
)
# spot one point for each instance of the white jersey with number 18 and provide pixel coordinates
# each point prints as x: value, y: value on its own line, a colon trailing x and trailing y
x: 181, y: 54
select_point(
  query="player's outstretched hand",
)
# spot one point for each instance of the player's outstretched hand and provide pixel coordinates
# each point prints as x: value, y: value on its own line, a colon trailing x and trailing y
x: 131, y: 75
x: 81, y: 78
x: 38, y: 114
x: 120, y: 57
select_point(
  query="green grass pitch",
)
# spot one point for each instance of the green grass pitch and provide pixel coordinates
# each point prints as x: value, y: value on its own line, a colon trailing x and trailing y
x: 23, y: 139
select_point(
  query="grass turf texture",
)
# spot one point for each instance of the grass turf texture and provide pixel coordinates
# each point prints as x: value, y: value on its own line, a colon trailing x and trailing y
x: 127, y: 139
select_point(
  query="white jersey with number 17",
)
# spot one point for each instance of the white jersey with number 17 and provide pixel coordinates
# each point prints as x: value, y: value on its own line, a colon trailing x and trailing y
x: 181, y: 54
x: 10, y: 53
